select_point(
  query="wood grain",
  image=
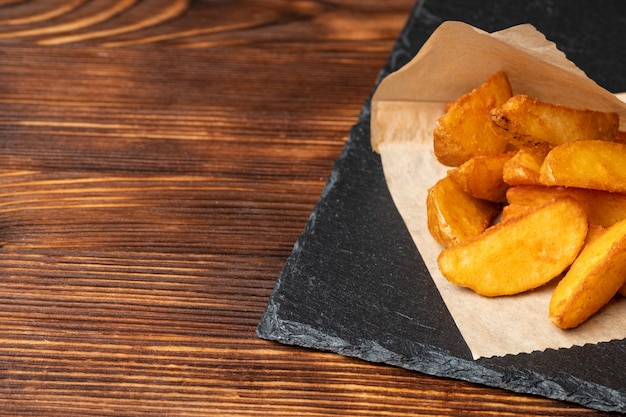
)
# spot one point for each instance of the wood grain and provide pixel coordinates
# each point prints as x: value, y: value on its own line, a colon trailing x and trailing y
x: 158, y: 159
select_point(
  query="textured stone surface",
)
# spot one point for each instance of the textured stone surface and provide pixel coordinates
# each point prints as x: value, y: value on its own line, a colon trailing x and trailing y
x: 355, y: 283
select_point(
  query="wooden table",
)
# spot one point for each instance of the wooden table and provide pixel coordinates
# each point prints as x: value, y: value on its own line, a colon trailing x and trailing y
x: 158, y: 160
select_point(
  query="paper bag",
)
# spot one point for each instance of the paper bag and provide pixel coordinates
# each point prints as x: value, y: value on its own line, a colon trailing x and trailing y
x: 456, y: 59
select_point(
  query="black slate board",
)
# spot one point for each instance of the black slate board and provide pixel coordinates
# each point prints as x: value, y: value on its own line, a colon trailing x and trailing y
x: 355, y: 283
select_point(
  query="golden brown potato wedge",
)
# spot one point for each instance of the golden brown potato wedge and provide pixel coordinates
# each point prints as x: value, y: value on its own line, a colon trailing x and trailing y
x: 528, y: 122
x: 523, y: 167
x: 593, y: 232
x: 592, y: 280
x: 482, y: 177
x: 512, y: 210
x: 465, y: 130
x: 594, y: 164
x: 520, y: 254
x: 602, y: 207
x: 453, y: 215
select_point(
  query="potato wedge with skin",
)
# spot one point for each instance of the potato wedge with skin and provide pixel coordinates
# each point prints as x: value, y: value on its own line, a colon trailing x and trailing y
x: 523, y: 167
x: 520, y: 254
x: 592, y: 280
x: 528, y: 122
x: 482, y: 177
x: 465, y: 130
x: 594, y: 164
x: 454, y: 216
x: 602, y: 207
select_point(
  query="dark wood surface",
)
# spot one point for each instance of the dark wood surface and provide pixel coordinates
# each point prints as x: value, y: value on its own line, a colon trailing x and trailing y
x: 158, y: 160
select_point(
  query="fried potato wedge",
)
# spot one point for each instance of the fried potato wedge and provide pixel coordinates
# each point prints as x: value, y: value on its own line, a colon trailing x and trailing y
x: 520, y: 254
x: 528, y: 122
x: 594, y: 164
x: 482, y: 177
x: 465, y: 130
x: 593, y: 232
x: 453, y: 215
x: 593, y: 279
x: 511, y: 210
x: 523, y: 167
x: 602, y: 207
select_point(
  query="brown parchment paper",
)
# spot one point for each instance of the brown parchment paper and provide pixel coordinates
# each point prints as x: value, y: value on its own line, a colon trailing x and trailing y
x: 457, y: 58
